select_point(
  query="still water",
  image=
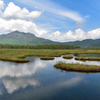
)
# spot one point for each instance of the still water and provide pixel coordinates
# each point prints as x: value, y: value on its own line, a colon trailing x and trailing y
x: 39, y: 80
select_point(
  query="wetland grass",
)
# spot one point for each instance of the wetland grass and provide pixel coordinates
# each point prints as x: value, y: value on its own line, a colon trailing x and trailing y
x: 77, y: 67
x: 68, y: 57
x: 76, y: 54
x: 88, y: 58
x: 18, y: 55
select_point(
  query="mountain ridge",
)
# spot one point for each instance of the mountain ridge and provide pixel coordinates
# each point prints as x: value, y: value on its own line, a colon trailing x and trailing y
x: 22, y: 38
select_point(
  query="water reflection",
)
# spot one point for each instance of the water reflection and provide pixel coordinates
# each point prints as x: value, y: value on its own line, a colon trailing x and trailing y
x: 71, y: 82
x: 14, y: 77
x: 13, y: 84
x: 76, y: 61
x: 19, y: 70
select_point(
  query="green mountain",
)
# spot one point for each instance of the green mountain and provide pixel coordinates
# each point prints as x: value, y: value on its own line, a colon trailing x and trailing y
x: 21, y: 38
x: 85, y: 43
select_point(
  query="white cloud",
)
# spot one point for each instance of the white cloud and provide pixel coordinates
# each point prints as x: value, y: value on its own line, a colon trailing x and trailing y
x: 1, y: 4
x: 94, y: 33
x: 17, y: 20
x: 15, y: 12
x: 55, y: 35
x: 21, y: 25
x: 79, y: 34
x: 53, y: 8
x: 71, y: 14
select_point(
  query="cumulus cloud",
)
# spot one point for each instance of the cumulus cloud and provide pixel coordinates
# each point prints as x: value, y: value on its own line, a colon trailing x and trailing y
x: 14, y: 18
x: 21, y: 25
x: 15, y: 12
x: 78, y: 34
x: 94, y: 33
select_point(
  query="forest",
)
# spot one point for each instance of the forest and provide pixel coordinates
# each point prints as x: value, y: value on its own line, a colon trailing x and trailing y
x: 51, y: 46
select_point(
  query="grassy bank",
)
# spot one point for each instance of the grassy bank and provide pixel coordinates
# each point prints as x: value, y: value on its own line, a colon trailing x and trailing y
x: 77, y: 67
x: 88, y: 58
x: 18, y: 55
x: 68, y: 57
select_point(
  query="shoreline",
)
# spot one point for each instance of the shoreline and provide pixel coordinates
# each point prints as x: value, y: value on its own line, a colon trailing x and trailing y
x: 77, y: 67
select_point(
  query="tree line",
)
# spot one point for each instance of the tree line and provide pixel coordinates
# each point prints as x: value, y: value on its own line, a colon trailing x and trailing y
x: 47, y: 46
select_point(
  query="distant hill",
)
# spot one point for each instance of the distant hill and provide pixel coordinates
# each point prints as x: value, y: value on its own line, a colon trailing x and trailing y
x: 21, y: 38
x: 85, y: 43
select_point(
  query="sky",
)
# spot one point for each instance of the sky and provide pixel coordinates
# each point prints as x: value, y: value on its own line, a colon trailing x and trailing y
x: 57, y: 20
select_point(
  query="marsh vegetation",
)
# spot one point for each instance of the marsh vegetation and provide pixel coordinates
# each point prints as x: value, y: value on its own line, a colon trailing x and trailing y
x: 77, y: 67
x: 68, y: 57
x: 88, y: 58
x: 18, y: 55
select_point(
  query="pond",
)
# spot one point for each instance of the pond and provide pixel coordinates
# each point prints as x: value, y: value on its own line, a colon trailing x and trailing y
x: 39, y: 80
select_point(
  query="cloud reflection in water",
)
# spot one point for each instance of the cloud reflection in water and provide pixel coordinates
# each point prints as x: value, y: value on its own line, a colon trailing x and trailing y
x: 13, y: 84
x: 12, y: 70
x: 14, y: 76
x: 77, y: 61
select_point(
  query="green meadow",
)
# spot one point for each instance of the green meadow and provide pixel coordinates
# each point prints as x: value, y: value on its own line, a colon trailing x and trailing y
x: 18, y: 55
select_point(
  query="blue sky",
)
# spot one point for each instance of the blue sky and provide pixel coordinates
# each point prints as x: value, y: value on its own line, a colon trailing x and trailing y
x: 58, y: 20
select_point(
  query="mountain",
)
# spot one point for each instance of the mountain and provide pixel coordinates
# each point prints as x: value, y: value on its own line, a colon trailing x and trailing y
x: 85, y: 43
x: 21, y: 38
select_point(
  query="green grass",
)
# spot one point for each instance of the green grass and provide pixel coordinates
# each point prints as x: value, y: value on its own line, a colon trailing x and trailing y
x: 47, y: 58
x: 88, y: 58
x: 76, y: 54
x: 77, y: 67
x: 18, y: 55
x: 68, y: 57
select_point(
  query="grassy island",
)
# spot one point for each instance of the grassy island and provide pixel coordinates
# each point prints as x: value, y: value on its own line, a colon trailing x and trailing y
x: 77, y: 67
x: 88, y: 58
x: 47, y: 58
x: 68, y: 57
x: 76, y: 54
